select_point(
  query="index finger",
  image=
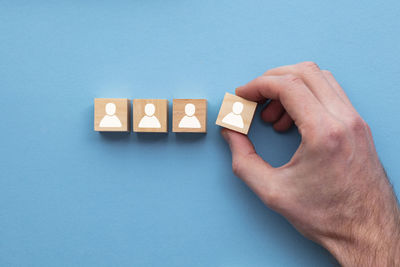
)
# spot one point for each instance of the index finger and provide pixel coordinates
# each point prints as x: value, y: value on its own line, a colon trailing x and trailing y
x: 297, y: 99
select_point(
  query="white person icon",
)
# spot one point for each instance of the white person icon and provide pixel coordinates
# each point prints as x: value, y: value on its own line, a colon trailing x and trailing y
x: 236, y: 113
x: 149, y: 120
x: 234, y: 118
x: 189, y: 115
x: 110, y: 119
x: 189, y: 120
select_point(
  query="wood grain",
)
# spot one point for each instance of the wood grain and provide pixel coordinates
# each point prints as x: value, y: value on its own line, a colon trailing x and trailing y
x: 122, y: 112
x: 247, y: 114
x: 161, y: 113
x: 178, y: 113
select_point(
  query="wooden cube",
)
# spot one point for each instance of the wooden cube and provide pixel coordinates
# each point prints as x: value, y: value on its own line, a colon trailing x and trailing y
x: 150, y: 115
x: 236, y: 113
x: 189, y: 115
x: 112, y: 114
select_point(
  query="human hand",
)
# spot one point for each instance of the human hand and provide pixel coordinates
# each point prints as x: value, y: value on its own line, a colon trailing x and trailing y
x: 334, y: 190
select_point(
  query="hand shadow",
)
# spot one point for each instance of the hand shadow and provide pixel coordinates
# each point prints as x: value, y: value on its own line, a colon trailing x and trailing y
x: 277, y: 148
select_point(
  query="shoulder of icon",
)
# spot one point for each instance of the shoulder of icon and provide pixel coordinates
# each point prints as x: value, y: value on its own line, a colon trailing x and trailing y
x: 189, y: 115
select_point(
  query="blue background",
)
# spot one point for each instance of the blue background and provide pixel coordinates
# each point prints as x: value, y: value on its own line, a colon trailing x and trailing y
x: 70, y: 196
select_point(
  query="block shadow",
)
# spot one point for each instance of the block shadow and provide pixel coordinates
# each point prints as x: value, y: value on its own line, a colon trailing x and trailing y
x: 115, y: 136
x: 189, y: 137
x: 151, y: 137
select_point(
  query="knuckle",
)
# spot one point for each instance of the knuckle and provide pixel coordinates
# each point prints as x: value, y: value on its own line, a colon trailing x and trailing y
x: 292, y: 80
x: 237, y: 166
x: 368, y: 128
x: 333, y: 137
x: 327, y: 73
x: 273, y: 198
x: 308, y: 67
x: 336, y: 132
x: 357, y: 124
x: 268, y: 72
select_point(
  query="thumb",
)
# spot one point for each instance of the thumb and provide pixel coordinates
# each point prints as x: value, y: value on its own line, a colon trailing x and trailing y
x: 247, y: 164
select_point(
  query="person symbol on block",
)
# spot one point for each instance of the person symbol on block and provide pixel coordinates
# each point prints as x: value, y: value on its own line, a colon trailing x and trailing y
x: 110, y: 119
x: 189, y: 120
x: 149, y: 120
x: 234, y: 118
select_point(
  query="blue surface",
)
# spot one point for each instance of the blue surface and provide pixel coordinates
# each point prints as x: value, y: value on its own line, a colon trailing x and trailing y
x: 70, y: 196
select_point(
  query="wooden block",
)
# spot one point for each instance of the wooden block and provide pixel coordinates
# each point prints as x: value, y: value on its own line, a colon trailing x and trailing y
x: 150, y: 115
x: 112, y: 115
x: 189, y: 115
x: 236, y: 113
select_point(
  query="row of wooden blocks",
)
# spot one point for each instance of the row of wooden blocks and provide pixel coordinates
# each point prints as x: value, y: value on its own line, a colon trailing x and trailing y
x: 189, y: 115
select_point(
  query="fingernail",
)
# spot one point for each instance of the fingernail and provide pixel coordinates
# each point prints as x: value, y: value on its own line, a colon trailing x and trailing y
x: 238, y: 89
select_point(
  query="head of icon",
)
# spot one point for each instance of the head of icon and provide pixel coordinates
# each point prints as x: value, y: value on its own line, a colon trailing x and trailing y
x: 237, y: 108
x: 190, y: 109
x: 110, y: 109
x: 149, y: 109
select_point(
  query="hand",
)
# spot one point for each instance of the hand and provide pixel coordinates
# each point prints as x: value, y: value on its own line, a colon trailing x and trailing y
x: 334, y: 190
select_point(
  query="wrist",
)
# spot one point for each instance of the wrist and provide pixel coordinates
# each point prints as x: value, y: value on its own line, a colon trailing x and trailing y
x: 366, y: 251
x: 367, y: 243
